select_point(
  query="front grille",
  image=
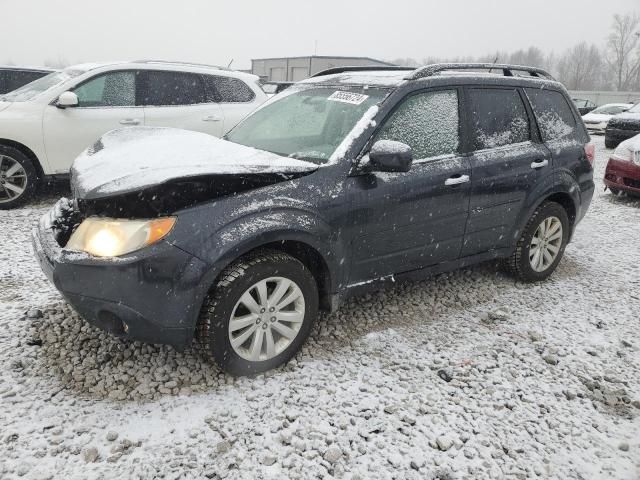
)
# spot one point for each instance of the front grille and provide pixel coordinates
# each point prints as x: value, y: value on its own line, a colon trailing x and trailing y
x: 64, y: 218
x: 630, y: 182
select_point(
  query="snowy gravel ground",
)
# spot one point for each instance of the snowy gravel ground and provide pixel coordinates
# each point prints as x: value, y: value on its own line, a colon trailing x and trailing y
x: 468, y: 375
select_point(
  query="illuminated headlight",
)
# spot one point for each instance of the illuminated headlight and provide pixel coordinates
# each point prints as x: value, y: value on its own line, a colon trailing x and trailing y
x: 110, y: 237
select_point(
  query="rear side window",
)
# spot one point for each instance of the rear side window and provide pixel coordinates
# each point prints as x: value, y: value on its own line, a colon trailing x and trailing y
x: 113, y: 89
x: 427, y: 122
x: 227, y: 90
x: 173, y: 88
x: 498, y: 118
x: 554, y: 116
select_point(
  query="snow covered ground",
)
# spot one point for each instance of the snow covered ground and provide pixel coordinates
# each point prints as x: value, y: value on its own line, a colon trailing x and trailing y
x: 469, y: 375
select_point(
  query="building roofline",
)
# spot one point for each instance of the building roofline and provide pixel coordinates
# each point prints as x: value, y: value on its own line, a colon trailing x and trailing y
x: 324, y: 57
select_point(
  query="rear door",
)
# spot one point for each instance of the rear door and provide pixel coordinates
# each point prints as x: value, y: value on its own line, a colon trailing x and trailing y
x: 179, y: 100
x: 561, y: 132
x: 105, y: 102
x: 508, y: 163
x: 407, y: 221
x: 235, y: 98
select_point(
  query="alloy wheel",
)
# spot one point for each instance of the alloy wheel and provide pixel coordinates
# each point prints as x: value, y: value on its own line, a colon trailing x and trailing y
x: 545, y: 244
x: 266, y: 319
x: 13, y: 179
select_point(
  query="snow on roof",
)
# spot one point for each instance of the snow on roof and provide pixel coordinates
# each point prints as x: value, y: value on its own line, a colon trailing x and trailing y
x: 381, y: 78
x: 134, y: 158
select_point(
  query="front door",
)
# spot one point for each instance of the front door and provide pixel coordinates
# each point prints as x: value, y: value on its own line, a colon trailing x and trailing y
x: 508, y: 164
x: 105, y: 102
x: 406, y: 221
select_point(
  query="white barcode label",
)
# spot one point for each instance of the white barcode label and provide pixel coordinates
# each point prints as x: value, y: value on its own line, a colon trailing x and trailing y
x: 347, y: 97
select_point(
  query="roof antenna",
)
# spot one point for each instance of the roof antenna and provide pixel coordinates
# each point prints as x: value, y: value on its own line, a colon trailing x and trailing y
x: 229, y: 66
x: 495, y: 60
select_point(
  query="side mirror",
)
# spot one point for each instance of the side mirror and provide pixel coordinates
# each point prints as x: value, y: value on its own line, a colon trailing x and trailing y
x: 67, y: 99
x: 390, y: 156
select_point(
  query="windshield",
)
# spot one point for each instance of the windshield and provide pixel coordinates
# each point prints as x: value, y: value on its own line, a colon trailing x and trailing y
x: 308, y: 123
x: 635, y: 109
x: 31, y: 90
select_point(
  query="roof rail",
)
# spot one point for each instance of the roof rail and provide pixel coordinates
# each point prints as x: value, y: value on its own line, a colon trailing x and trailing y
x: 367, y: 68
x: 170, y: 62
x: 507, y: 70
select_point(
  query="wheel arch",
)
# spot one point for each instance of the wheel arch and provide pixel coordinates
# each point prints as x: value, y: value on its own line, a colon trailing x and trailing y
x: 26, y: 151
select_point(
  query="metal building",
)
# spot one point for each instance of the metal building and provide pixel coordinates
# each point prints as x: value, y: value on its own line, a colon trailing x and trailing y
x: 293, y: 69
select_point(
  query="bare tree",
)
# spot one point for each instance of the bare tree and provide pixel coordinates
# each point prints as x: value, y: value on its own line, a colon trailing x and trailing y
x: 581, y: 67
x: 623, y: 57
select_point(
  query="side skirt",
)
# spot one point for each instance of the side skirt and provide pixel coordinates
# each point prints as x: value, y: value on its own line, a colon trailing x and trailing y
x: 413, y: 275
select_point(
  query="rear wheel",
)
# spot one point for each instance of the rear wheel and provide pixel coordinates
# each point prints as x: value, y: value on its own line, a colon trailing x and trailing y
x: 18, y: 178
x: 542, y: 244
x: 259, y: 314
x: 614, y: 191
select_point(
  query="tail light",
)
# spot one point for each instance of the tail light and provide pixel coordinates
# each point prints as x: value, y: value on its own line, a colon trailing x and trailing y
x: 590, y: 152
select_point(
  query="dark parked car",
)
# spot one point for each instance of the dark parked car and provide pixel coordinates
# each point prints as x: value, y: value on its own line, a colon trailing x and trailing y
x: 584, y: 106
x: 357, y: 178
x: 12, y: 78
x: 623, y: 126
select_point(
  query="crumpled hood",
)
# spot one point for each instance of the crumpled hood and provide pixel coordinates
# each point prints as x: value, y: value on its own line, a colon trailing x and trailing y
x: 137, y: 158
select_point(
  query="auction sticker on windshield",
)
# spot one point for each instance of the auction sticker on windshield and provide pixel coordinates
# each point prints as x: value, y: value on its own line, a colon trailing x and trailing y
x: 347, y: 97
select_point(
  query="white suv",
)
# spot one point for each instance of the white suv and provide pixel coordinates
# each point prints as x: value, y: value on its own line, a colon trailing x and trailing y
x: 46, y: 124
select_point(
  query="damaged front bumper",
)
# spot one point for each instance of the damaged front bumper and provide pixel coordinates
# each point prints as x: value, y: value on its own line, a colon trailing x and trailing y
x: 152, y: 295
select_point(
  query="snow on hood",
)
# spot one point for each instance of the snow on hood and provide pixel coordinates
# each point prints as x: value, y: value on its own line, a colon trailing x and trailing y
x: 627, y: 149
x: 629, y: 116
x: 131, y: 159
x: 4, y: 105
x: 597, y: 117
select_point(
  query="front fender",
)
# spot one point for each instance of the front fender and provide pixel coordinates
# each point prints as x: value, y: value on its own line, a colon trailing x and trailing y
x: 242, y: 235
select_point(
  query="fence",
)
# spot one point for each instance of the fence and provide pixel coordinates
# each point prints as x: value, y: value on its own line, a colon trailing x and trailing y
x: 601, y: 98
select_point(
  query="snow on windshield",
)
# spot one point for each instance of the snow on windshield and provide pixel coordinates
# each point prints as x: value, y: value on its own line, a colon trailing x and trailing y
x: 133, y: 158
x: 308, y: 123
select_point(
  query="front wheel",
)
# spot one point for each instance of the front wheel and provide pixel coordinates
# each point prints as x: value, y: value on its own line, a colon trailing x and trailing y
x: 542, y: 244
x: 259, y: 314
x: 18, y: 178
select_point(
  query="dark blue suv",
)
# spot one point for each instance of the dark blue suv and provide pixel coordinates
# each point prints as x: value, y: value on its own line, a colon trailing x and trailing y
x: 343, y: 182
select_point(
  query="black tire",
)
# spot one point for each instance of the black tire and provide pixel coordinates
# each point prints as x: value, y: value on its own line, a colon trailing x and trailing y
x: 16, y: 155
x: 518, y: 263
x: 614, y: 191
x: 610, y: 143
x: 235, y: 280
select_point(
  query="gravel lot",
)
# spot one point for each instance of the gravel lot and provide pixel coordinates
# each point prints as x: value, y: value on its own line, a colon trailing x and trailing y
x: 467, y: 375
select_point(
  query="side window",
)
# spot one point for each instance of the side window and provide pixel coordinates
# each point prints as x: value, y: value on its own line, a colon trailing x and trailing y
x: 4, y: 87
x: 555, y: 118
x: 173, y: 88
x: 114, y: 89
x: 427, y: 122
x: 498, y: 118
x: 228, y: 90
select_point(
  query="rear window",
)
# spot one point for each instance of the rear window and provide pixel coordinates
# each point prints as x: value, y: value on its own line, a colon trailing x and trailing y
x: 227, y: 90
x: 554, y: 116
x: 498, y: 118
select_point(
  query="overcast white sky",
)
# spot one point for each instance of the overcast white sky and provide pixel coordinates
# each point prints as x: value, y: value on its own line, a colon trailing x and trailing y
x: 215, y: 32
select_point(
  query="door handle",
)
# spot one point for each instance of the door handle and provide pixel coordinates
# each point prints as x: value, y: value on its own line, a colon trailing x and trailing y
x: 211, y: 118
x: 539, y: 164
x: 130, y: 121
x: 457, y: 180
